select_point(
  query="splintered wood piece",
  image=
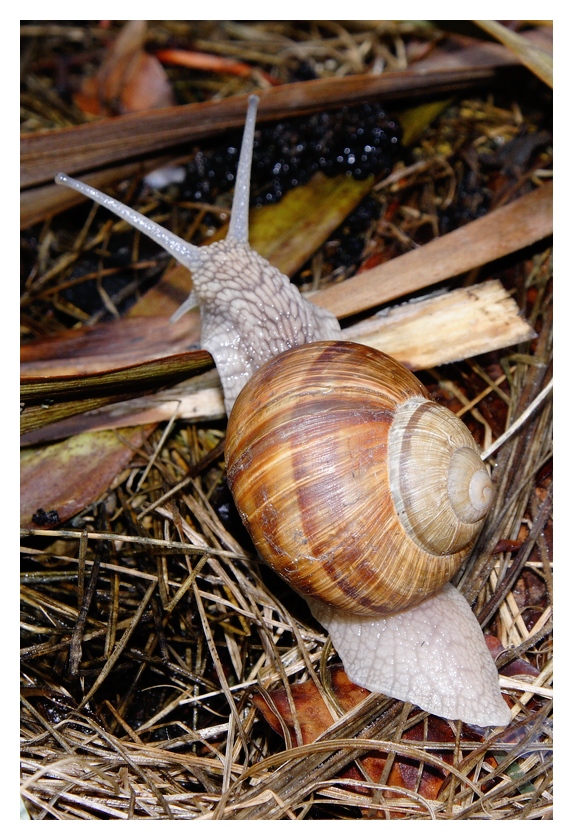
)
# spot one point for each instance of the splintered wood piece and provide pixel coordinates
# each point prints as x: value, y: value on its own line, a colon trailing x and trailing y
x: 445, y: 328
x: 503, y: 231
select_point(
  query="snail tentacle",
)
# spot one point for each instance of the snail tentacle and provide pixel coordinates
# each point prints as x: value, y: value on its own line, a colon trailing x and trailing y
x: 184, y: 252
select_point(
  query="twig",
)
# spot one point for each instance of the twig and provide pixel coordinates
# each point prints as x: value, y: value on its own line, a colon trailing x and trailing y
x: 519, y: 422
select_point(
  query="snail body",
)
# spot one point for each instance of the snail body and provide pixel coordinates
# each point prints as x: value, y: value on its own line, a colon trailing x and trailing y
x: 326, y: 473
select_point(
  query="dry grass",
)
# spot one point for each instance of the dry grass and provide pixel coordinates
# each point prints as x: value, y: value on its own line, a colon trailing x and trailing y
x: 148, y: 624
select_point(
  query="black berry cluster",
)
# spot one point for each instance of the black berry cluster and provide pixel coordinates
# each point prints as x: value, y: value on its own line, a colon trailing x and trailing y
x: 358, y: 141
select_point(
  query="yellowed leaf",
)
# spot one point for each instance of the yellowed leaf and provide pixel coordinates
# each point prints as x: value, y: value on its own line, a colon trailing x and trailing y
x: 67, y: 476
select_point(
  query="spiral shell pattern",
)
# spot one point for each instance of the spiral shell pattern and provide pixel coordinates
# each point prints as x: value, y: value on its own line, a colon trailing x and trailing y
x: 327, y: 448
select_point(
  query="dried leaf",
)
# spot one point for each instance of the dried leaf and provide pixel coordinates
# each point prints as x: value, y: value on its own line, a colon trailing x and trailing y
x: 67, y: 476
x: 314, y: 718
x: 517, y: 667
x: 312, y: 712
x: 129, y: 79
x: 538, y: 60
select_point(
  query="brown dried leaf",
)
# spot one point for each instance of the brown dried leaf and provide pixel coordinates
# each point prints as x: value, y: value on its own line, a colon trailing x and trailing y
x: 517, y: 667
x: 67, y: 476
x: 314, y: 718
x: 129, y: 79
x: 312, y: 712
x: 110, y: 345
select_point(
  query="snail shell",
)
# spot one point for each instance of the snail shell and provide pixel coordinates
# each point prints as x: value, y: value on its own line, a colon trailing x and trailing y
x: 354, y: 486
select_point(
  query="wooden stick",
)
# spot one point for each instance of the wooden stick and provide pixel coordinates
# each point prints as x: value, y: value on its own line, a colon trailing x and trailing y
x: 501, y: 232
x: 85, y: 147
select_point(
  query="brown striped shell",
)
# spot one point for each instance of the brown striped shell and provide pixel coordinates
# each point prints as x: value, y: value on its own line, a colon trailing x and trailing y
x: 354, y: 486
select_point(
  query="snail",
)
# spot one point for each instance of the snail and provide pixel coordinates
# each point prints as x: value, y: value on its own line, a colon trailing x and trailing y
x: 249, y: 310
x: 342, y: 519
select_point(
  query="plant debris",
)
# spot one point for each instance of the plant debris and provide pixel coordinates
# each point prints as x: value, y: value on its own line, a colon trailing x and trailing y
x: 166, y: 672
